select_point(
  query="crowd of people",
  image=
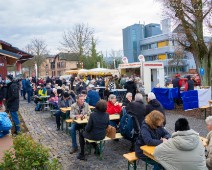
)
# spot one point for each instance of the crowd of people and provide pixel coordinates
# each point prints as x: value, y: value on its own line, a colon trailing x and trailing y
x: 183, y: 146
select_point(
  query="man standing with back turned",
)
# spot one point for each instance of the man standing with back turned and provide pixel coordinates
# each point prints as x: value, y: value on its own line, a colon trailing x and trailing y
x: 12, y: 100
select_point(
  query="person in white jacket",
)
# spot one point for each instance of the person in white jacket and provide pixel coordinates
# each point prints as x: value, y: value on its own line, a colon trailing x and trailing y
x: 183, y: 151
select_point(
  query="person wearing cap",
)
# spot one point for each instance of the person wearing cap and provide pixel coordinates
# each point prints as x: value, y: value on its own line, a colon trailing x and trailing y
x: 92, y: 95
x: 176, y: 80
x: 12, y: 101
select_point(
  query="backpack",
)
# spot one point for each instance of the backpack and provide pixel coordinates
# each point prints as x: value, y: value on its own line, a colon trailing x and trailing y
x: 38, y: 107
x: 127, y: 125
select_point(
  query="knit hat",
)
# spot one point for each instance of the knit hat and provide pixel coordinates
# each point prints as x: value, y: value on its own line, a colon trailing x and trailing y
x: 10, y: 77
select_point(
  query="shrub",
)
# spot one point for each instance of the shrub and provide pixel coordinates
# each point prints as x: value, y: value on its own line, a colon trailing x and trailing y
x: 26, y: 154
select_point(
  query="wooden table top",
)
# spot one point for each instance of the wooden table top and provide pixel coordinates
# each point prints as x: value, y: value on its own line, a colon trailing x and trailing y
x: 65, y: 109
x: 149, y: 151
x: 114, y: 117
x: 85, y: 121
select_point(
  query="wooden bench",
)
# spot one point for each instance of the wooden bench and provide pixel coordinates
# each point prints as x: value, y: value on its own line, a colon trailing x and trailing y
x: 131, y: 158
x: 68, y: 122
x: 210, y: 103
x: 205, y: 108
x: 101, y: 143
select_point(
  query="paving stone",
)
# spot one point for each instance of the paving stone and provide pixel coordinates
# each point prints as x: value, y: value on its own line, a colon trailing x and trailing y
x: 42, y: 128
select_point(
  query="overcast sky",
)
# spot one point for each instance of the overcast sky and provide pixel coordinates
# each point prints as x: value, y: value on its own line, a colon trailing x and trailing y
x: 22, y: 20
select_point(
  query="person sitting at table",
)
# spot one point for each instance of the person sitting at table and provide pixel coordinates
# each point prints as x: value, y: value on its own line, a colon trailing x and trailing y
x: 137, y: 110
x: 92, y: 95
x: 184, y: 150
x: 41, y: 92
x: 152, y: 133
x: 154, y: 104
x: 113, y: 107
x: 128, y: 99
x: 96, y: 127
x: 209, y: 142
x: 64, y: 101
x: 84, y: 93
x: 53, y: 100
x: 78, y: 110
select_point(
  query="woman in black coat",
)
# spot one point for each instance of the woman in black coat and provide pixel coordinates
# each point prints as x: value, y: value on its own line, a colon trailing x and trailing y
x: 96, y: 127
x: 154, y: 104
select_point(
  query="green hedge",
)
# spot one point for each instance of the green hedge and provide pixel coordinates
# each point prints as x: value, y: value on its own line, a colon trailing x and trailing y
x: 26, y: 154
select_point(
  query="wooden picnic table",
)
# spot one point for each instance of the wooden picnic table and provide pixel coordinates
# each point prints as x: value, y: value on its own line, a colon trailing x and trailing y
x: 149, y: 150
x: 85, y: 120
x: 65, y: 109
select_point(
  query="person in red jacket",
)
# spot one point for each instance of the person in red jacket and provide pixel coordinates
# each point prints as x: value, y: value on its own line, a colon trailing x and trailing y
x: 113, y: 107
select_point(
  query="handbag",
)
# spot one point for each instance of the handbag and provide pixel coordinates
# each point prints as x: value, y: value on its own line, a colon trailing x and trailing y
x: 111, y: 132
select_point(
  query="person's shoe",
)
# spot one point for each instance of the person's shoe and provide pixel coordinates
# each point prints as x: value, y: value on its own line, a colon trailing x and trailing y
x: 58, y: 128
x: 74, y: 150
x: 81, y: 157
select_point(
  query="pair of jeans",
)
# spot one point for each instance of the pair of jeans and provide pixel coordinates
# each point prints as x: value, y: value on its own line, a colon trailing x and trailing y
x: 16, y: 121
x: 73, y: 130
x: 24, y: 93
x: 58, y: 115
x: 28, y: 96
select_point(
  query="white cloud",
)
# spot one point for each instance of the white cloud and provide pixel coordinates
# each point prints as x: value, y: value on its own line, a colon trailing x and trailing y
x: 22, y: 20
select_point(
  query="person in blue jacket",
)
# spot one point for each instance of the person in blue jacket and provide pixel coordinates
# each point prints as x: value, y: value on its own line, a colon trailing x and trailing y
x: 28, y: 88
x: 92, y: 95
x: 24, y: 87
x: 152, y: 133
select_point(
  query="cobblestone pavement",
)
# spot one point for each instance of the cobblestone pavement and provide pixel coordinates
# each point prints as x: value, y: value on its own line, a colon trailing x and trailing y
x: 42, y: 127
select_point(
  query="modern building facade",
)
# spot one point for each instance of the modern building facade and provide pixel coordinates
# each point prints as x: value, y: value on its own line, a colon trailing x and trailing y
x: 162, y: 48
x: 131, y: 41
x: 152, y: 29
x: 155, y: 44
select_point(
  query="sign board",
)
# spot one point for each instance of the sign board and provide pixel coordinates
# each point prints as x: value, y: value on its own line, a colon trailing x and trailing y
x: 153, y: 64
x: 141, y: 58
x: 125, y: 60
x: 1, y: 64
x: 201, y: 71
x: 130, y: 65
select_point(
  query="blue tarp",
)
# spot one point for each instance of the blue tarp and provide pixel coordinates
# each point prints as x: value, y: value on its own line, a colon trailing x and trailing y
x: 166, y: 96
x: 190, y: 99
x: 5, y: 124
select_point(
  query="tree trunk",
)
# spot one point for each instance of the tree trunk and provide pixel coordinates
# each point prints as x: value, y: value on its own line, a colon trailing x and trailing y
x: 206, y: 65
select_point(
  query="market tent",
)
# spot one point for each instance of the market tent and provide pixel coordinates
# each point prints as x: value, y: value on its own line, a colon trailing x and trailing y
x: 75, y: 71
x: 102, y: 71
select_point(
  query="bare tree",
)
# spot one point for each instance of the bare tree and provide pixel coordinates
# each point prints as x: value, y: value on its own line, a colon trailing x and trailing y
x: 177, y: 58
x: 191, y: 14
x: 78, y: 39
x: 38, y: 49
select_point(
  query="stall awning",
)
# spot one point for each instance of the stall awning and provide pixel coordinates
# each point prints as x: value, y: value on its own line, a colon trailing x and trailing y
x: 10, y: 57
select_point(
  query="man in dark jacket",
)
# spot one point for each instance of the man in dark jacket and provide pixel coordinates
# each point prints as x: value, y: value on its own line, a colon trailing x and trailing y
x: 80, y: 86
x: 190, y: 83
x: 137, y: 110
x: 131, y: 87
x: 154, y: 104
x: 175, y: 81
x: 12, y: 100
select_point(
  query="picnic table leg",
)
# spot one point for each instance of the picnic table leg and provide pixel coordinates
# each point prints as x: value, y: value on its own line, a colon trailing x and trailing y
x: 205, y: 113
x: 62, y: 120
x: 134, y: 165
x: 128, y: 165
